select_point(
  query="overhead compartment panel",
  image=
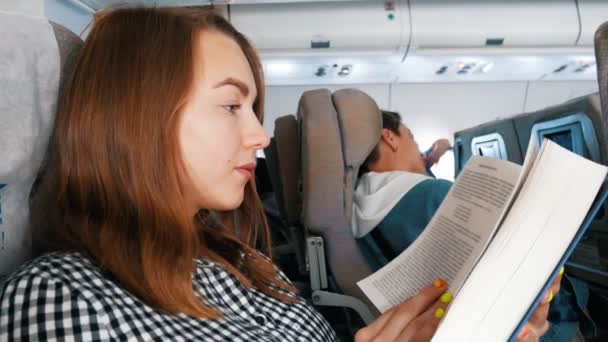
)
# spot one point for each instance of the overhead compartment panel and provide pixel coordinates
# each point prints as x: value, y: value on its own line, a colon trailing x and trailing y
x: 517, y: 23
x: 357, y: 28
x: 593, y: 14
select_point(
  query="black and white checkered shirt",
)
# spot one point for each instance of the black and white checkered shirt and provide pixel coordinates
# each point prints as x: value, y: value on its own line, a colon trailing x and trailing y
x: 63, y: 296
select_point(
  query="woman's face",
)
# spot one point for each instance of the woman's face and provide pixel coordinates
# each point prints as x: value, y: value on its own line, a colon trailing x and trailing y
x: 218, y: 130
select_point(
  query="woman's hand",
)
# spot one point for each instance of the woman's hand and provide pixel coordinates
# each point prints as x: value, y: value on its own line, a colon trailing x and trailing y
x: 417, y: 318
x: 538, y: 325
x: 413, y: 320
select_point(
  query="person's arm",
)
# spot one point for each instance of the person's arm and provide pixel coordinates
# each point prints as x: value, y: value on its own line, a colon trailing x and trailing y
x: 437, y: 150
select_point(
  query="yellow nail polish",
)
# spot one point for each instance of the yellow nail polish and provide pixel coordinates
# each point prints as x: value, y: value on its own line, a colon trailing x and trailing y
x: 562, y: 270
x: 439, y: 283
x: 439, y: 313
x: 446, y: 298
x: 550, y: 296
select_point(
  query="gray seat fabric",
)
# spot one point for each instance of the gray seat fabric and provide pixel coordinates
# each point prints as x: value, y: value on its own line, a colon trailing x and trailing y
x: 69, y: 45
x: 338, y: 132
x: 283, y: 161
x: 40, y: 57
x: 69, y: 48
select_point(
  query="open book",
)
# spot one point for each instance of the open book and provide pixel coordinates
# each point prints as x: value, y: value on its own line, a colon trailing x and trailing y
x: 498, y: 239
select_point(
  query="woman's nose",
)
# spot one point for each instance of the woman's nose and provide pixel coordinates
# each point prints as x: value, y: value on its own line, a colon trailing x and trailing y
x: 257, y: 138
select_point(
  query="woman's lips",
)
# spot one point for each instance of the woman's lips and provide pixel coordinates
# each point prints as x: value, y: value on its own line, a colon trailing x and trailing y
x: 246, y: 170
x: 248, y: 174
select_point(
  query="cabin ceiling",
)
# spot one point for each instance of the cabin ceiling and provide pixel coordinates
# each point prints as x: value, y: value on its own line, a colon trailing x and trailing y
x: 415, y: 53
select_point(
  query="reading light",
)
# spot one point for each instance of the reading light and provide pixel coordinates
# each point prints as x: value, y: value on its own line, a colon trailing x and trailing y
x: 560, y: 69
x: 584, y: 65
x: 442, y: 70
x: 464, y: 68
x: 321, y: 71
x: 487, y: 67
x: 345, y: 70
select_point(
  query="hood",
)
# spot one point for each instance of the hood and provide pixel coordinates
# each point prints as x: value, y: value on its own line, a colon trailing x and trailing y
x: 376, y: 195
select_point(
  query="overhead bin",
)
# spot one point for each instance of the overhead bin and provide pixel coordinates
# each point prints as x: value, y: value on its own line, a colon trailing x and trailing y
x: 593, y: 14
x: 343, y: 28
x: 440, y: 24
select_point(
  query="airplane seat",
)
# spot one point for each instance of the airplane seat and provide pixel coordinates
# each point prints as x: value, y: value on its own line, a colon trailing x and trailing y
x: 580, y: 126
x: 496, y: 139
x: 36, y: 57
x: 577, y: 125
x: 283, y: 161
x: 338, y: 131
x: 600, y: 299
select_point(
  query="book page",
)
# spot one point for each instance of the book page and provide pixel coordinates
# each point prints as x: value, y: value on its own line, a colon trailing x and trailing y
x: 455, y: 237
x: 537, y: 231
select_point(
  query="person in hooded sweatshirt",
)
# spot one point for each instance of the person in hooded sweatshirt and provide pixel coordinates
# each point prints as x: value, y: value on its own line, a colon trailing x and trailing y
x: 395, y: 198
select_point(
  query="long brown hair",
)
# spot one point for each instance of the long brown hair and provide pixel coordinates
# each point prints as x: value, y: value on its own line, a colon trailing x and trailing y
x: 112, y: 189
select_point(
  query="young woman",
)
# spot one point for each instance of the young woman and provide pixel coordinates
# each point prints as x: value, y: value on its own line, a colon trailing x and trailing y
x: 151, y: 160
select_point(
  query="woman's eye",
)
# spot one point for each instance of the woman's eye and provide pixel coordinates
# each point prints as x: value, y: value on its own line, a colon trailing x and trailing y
x: 232, y: 108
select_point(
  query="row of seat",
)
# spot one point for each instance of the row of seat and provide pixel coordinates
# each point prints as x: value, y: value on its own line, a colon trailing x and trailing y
x: 315, y: 155
x: 314, y: 158
x: 576, y: 125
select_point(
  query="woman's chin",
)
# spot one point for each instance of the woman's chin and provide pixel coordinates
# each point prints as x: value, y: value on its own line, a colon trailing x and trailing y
x: 230, y: 204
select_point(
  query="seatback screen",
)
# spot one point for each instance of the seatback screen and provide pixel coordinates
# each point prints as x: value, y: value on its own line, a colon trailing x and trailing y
x: 563, y: 138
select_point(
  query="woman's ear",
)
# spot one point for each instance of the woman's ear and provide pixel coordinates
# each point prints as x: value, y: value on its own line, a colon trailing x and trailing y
x: 389, y: 139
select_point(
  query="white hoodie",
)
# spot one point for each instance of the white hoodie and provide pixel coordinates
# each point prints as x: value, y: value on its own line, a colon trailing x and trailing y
x: 376, y: 195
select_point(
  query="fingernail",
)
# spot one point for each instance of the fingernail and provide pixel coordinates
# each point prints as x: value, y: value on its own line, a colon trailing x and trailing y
x: 446, y: 298
x: 548, y: 297
x: 525, y: 332
x: 439, y: 283
x: 439, y: 312
x: 562, y: 270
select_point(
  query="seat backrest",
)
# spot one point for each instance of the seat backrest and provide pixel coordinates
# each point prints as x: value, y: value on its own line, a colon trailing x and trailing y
x: 283, y: 156
x: 35, y: 58
x: 499, y: 136
x: 338, y: 132
x: 580, y: 119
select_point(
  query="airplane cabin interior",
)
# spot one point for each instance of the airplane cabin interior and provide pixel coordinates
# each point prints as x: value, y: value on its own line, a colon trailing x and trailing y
x: 490, y: 76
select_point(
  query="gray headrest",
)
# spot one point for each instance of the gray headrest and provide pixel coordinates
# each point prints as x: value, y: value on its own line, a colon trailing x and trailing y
x: 601, y: 58
x: 322, y: 160
x: 360, y: 126
x: 69, y: 48
x: 338, y: 132
x: 360, y: 123
x: 31, y: 60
